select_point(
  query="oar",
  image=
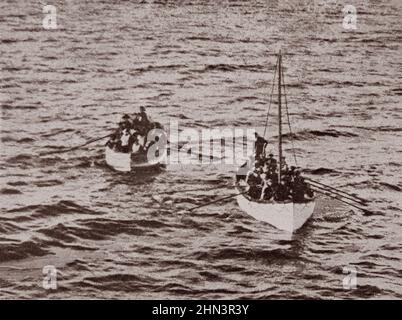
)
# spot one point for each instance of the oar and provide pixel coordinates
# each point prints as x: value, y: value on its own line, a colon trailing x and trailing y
x: 189, y: 190
x: 352, y: 205
x: 329, y: 187
x: 338, y: 194
x: 215, y: 201
x: 76, y: 147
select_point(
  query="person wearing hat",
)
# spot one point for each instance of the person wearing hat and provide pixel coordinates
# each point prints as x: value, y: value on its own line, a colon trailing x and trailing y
x: 254, y: 182
x: 271, y: 159
x: 272, y: 164
x: 126, y: 121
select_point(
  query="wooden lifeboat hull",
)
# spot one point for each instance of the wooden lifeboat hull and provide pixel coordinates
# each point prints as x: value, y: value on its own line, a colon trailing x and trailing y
x: 287, y: 216
x: 126, y: 162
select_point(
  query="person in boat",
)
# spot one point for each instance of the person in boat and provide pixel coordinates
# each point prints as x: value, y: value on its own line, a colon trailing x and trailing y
x: 124, y: 139
x: 142, y: 123
x: 119, y: 131
x: 274, y: 179
x: 135, y: 122
x: 260, y: 144
x: 265, y: 168
x: 267, y: 190
x: 272, y: 164
x: 288, y: 177
x: 291, y: 171
x: 300, y: 188
x: 126, y: 122
x: 254, y: 182
x: 120, y: 128
x: 258, y: 164
x: 112, y: 142
x: 143, y: 115
x: 133, y: 143
x: 270, y: 159
x: 309, y: 192
x: 116, y: 142
x: 285, y: 167
x: 281, y: 192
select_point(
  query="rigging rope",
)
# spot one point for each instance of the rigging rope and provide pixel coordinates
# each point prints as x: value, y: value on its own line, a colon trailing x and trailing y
x: 287, y: 113
x: 270, y: 99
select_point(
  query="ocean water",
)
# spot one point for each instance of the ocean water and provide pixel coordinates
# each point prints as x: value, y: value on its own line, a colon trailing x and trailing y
x: 206, y: 65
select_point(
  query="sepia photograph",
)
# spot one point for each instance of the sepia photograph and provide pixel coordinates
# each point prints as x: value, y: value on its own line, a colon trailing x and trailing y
x: 201, y: 150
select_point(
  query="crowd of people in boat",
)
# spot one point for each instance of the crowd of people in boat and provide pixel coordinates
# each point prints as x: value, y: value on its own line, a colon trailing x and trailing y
x: 131, y: 134
x: 263, y: 184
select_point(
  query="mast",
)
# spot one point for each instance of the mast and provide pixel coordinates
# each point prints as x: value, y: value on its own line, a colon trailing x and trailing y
x: 280, y: 116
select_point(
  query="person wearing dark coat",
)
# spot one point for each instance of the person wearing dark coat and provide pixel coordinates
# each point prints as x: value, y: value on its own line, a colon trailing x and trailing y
x: 299, y: 187
x: 143, y: 125
x: 282, y: 192
x: 267, y: 191
x: 255, y: 185
x: 260, y: 144
x: 144, y: 118
x: 126, y: 121
x: 272, y: 164
x: 285, y: 167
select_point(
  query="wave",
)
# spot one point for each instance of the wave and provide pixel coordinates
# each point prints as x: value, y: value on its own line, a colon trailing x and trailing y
x: 101, y: 229
x: 17, y: 183
x: 9, y: 41
x: 10, y: 191
x: 21, y: 251
x: 277, y: 255
x: 121, y: 282
x: 391, y: 186
x: 231, y: 67
x: 57, y: 131
x: 48, y: 183
x: 10, y: 107
x: 320, y: 171
x: 21, y: 158
x: 62, y: 207
x: 312, y: 134
x: 156, y: 68
x: 376, y: 129
x: 8, y: 226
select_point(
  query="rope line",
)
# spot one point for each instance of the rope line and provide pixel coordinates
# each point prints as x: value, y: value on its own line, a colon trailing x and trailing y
x: 287, y: 114
x: 270, y: 99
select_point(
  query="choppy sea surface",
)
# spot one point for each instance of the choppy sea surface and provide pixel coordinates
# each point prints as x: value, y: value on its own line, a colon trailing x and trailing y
x: 207, y: 65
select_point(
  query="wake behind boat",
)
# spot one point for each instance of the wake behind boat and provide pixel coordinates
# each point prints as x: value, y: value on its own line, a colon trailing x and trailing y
x: 271, y: 191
